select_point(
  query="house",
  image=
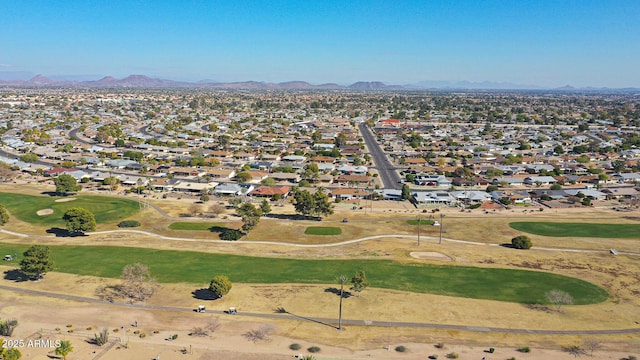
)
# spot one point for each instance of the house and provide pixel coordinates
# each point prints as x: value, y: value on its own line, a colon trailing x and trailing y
x: 348, y: 169
x: 432, y: 180
x: 626, y: 177
x: 390, y: 194
x: 423, y: 198
x: 510, y: 181
x: 192, y: 187
x: 352, y: 179
x: 222, y: 174
x: 228, y: 188
x: 542, y: 180
x: 270, y: 191
x: 349, y: 193
x: 471, y: 196
x: 288, y: 177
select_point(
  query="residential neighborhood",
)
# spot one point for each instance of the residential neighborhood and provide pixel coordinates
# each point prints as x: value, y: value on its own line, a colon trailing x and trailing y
x: 451, y: 149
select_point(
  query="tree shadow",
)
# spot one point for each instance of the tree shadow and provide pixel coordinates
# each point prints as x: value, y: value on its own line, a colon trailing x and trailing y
x: 15, y: 275
x: 204, y: 294
x: 336, y: 291
x: 58, y: 232
x: 293, y: 217
x: 218, y: 229
x: 507, y: 245
x: 50, y: 193
x: 281, y: 310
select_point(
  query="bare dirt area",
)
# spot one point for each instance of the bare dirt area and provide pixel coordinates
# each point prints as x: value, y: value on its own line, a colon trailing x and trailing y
x: 431, y: 255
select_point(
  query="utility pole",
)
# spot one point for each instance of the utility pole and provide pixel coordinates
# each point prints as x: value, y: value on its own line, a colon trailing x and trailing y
x: 441, y: 216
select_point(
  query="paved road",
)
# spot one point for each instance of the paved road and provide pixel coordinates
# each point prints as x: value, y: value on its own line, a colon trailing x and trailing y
x: 327, y: 321
x: 387, y: 172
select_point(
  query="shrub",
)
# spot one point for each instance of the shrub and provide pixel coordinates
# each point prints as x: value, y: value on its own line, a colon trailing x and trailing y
x: 439, y: 345
x: 69, y: 325
x: 491, y: 350
x: 143, y: 335
x: 102, y: 338
x: 521, y: 242
x: 452, y: 355
x: 230, y: 234
x: 129, y: 223
x: 295, y: 346
x: 524, y: 349
x: 512, y: 358
x: 7, y: 327
x: 401, y: 348
x: 313, y: 349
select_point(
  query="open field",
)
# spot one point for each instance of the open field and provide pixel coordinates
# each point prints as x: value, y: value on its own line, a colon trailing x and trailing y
x: 323, y: 230
x: 557, y: 229
x: 26, y: 207
x: 472, y: 282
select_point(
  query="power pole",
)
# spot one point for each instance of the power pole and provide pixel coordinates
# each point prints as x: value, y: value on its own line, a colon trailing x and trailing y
x: 418, y: 231
x: 441, y: 216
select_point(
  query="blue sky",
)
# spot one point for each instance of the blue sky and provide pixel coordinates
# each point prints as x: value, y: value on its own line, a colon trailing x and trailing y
x: 544, y: 43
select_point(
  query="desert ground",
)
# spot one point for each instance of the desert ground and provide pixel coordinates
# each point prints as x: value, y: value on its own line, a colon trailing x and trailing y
x: 469, y: 238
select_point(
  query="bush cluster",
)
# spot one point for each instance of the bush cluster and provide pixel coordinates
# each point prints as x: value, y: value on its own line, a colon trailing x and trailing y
x: 129, y: 223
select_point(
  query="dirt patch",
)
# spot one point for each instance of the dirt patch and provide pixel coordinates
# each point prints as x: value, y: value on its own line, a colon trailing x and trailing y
x: 65, y: 200
x: 429, y: 255
x: 44, y: 212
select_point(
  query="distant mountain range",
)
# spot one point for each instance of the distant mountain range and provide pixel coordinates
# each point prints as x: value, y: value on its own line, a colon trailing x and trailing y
x: 142, y: 81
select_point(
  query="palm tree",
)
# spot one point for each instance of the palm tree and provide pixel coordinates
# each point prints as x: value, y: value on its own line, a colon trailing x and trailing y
x: 342, y: 279
x: 64, y: 348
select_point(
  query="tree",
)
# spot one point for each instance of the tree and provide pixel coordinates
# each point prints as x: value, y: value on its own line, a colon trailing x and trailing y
x: 64, y: 348
x: 243, y: 177
x: 521, y: 242
x: 66, y: 184
x: 558, y: 298
x: 406, y: 192
x: 36, y: 261
x: 137, y: 282
x: 4, y: 215
x: 204, y: 198
x: 265, y: 207
x: 359, y: 281
x: 312, y: 204
x: 216, y: 209
x: 79, y: 220
x: 250, y: 216
x: 556, y: 187
x: 220, y: 285
x: 29, y: 158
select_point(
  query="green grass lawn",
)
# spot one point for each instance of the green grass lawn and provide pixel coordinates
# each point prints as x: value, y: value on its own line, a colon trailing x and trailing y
x: 618, y: 231
x: 422, y: 222
x: 323, y: 230
x: 519, y: 286
x: 106, y: 209
x: 198, y: 226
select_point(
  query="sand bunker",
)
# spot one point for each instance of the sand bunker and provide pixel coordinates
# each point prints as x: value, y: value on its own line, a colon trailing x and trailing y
x: 430, y: 255
x: 44, y: 212
x: 65, y: 199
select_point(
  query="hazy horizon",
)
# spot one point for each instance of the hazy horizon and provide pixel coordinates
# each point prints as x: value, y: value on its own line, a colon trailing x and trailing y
x: 534, y: 43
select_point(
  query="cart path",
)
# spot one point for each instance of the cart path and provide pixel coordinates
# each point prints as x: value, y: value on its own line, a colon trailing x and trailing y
x: 326, y: 321
x: 341, y: 243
